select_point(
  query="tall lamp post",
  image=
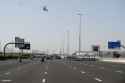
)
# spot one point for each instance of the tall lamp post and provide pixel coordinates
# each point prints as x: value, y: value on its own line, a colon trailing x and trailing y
x: 80, y: 32
x: 68, y: 43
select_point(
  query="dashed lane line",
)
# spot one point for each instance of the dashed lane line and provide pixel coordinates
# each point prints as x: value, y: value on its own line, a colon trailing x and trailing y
x: 119, y: 71
x: 45, y: 73
x: 98, y: 79
x: 5, y: 81
x: 43, y: 80
x: 7, y: 73
x: 82, y: 72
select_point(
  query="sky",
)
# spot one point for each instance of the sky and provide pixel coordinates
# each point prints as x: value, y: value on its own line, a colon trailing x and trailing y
x: 102, y: 20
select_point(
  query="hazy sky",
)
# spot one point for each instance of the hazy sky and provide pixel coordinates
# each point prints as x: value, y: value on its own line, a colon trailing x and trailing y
x: 102, y: 20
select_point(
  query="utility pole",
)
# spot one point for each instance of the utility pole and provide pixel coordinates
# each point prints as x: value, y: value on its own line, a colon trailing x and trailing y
x: 80, y: 32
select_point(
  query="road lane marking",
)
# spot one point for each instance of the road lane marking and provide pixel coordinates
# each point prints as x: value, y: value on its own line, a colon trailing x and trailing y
x: 43, y: 80
x: 45, y: 73
x: 119, y: 71
x: 82, y: 72
x: 98, y: 79
x: 7, y: 73
x: 6, y: 80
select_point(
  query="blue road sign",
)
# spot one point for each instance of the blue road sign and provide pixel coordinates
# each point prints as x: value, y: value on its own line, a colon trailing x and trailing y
x: 114, y: 44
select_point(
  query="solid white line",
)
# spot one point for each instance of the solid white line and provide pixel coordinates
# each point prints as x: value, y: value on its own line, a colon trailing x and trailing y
x: 6, y: 80
x: 82, y: 72
x: 43, y: 80
x: 98, y: 79
x: 45, y: 73
x: 7, y: 73
x: 119, y: 71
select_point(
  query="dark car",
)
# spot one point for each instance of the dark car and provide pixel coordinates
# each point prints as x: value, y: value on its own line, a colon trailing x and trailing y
x: 116, y: 54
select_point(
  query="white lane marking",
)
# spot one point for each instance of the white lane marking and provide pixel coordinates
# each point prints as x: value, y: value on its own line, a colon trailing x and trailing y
x: 7, y: 73
x: 82, y: 72
x: 6, y: 80
x: 98, y: 79
x: 45, y: 73
x: 119, y: 71
x: 43, y: 80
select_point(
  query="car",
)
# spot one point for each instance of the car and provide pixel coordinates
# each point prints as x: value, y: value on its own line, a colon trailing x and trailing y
x: 116, y: 54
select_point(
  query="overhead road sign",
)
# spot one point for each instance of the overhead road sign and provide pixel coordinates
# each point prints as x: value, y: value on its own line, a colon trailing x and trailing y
x: 19, y: 42
x: 114, y: 44
x: 26, y: 46
x: 95, y: 48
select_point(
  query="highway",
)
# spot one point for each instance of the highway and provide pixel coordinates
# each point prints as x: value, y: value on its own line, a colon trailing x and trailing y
x: 61, y: 71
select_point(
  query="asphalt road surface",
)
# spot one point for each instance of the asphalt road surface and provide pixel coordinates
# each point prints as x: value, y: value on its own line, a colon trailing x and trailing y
x: 61, y: 72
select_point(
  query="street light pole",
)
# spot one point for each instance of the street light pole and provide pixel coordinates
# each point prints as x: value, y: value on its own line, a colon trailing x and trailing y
x: 68, y: 39
x: 80, y: 32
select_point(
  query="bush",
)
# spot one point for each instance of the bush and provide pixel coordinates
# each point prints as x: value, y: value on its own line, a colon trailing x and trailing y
x: 15, y: 56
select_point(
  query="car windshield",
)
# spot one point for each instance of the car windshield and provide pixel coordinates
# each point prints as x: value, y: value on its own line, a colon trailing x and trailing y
x: 62, y: 41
